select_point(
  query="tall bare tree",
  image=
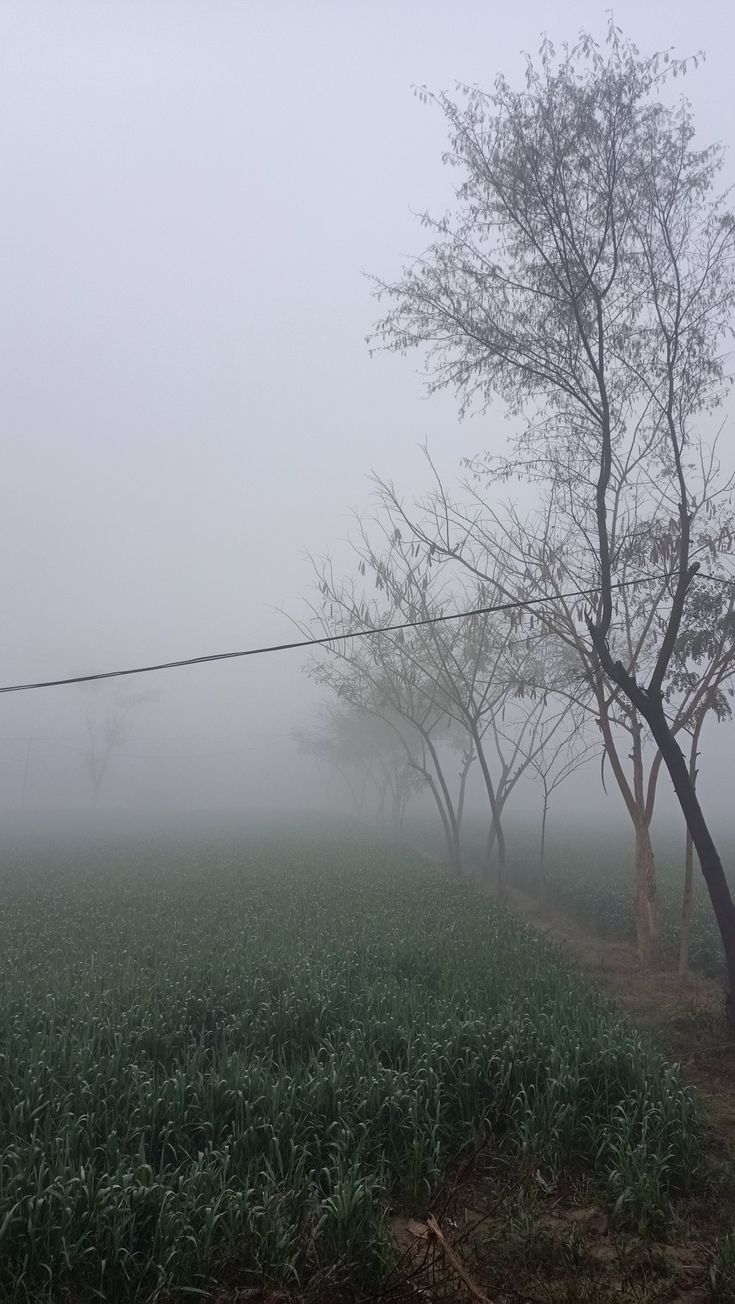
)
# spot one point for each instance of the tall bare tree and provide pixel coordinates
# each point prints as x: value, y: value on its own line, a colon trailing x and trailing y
x: 553, y: 766
x: 586, y: 278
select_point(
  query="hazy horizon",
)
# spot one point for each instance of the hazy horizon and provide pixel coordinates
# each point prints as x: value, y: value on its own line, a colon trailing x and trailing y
x: 194, y: 193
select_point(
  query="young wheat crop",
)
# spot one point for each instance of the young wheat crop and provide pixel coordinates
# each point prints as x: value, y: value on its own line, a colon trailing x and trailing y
x: 228, y: 1058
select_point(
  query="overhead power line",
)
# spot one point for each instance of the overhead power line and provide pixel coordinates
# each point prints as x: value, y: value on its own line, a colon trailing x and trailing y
x: 315, y: 642
x: 335, y: 638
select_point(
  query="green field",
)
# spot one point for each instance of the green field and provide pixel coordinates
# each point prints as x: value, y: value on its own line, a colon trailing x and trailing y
x: 228, y: 1060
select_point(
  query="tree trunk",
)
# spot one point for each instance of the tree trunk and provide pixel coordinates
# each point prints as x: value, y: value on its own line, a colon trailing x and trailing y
x: 489, y: 847
x: 645, y: 900
x: 500, y: 875
x: 541, y: 866
x: 645, y: 897
x: 497, y: 859
x: 496, y: 827
x: 687, y: 907
x: 466, y: 766
x: 709, y: 860
x: 645, y: 906
x: 448, y: 814
x: 449, y: 826
x: 451, y: 840
x: 687, y: 903
x: 397, y: 810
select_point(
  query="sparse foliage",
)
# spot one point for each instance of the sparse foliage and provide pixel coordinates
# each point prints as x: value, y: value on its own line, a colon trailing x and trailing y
x: 586, y: 278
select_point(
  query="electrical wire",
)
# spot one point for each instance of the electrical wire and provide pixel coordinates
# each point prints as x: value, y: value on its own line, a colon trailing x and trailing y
x: 321, y: 641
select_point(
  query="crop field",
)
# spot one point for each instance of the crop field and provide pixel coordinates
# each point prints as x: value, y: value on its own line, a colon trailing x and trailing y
x: 231, y: 1062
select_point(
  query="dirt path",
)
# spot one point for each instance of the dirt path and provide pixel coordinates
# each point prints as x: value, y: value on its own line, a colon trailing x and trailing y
x: 684, y: 1015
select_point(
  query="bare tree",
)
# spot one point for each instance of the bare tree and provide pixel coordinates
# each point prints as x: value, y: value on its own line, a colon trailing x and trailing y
x: 587, y: 278
x: 383, y: 678
x: 106, y: 734
x: 553, y: 766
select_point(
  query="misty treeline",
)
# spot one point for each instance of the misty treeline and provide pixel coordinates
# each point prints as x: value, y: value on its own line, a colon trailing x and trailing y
x: 583, y: 281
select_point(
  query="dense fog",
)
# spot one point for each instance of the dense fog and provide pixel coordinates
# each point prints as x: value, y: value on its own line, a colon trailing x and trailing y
x: 193, y: 195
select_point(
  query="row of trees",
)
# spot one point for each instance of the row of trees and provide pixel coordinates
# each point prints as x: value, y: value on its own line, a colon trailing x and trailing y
x: 584, y: 279
x: 510, y: 692
x: 420, y: 707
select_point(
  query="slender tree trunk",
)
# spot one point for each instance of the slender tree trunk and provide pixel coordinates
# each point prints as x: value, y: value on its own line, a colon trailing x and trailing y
x: 687, y: 907
x: 541, y: 865
x: 489, y: 846
x: 490, y: 841
x: 496, y: 828
x: 399, y: 801
x: 709, y: 860
x: 397, y: 810
x: 645, y: 900
x: 453, y: 830
x: 402, y: 815
x: 462, y: 786
x: 448, y: 825
x: 645, y: 905
x: 501, y: 863
x: 466, y: 767
x: 448, y: 832
x: 687, y: 902
x: 645, y: 896
x: 402, y: 782
x: 498, y: 859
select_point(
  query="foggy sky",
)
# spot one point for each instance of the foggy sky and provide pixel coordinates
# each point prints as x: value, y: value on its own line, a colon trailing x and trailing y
x: 192, y: 192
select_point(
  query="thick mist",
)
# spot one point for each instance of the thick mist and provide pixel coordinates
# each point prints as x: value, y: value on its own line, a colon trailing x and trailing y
x: 193, y: 193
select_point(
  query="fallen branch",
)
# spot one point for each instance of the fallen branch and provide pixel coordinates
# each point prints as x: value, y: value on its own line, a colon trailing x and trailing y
x: 455, y: 1262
